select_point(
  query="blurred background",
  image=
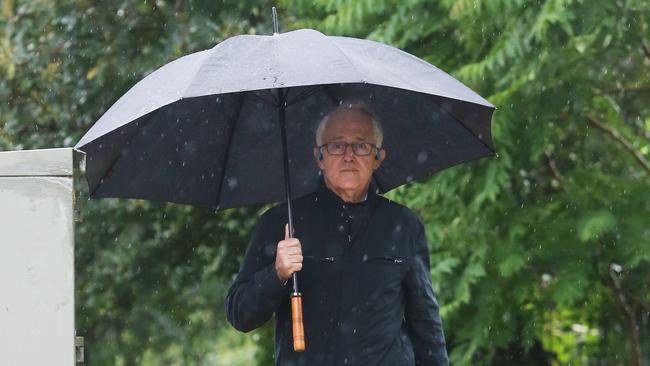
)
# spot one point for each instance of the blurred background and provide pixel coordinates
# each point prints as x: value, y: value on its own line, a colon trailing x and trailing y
x: 540, y: 256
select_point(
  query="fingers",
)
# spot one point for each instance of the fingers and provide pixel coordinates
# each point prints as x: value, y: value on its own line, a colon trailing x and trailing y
x: 290, y: 243
x: 288, y: 258
x: 295, y: 267
x: 285, y: 269
x: 294, y: 258
x: 293, y: 251
x: 289, y: 248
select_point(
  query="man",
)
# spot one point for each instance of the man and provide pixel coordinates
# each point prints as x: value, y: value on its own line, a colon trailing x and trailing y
x: 363, y: 262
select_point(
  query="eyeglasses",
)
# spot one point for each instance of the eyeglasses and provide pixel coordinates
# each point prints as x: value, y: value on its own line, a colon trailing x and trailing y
x: 340, y: 147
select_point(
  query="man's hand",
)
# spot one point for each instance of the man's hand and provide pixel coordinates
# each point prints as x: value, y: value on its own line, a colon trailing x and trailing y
x: 288, y: 257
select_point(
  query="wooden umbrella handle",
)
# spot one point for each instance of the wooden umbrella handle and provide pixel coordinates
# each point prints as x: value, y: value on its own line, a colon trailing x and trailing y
x: 296, y: 320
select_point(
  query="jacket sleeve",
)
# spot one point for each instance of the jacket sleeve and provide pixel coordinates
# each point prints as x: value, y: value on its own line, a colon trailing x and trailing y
x: 421, y: 311
x: 257, y: 291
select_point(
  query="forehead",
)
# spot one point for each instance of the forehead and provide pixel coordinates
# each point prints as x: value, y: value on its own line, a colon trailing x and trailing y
x: 349, y: 123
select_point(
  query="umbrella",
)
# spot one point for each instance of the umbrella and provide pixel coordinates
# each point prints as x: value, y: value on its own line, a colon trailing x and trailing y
x: 234, y: 125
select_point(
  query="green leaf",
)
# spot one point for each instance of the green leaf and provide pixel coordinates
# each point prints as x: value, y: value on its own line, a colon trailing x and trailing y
x: 511, y: 265
x: 593, y: 225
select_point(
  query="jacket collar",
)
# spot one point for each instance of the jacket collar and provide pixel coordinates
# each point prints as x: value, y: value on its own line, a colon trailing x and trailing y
x: 331, y: 198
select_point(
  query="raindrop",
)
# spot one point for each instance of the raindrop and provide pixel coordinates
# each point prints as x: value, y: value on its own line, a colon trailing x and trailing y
x: 232, y: 183
x: 422, y: 157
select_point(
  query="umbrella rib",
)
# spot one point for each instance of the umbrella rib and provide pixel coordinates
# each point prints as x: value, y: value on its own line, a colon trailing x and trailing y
x: 264, y: 100
x: 302, y: 96
x: 335, y: 100
x: 226, y: 155
x: 120, y: 154
x: 465, y: 127
x: 347, y: 58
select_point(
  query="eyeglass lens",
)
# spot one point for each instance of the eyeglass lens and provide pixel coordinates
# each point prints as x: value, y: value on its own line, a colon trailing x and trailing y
x: 358, y: 148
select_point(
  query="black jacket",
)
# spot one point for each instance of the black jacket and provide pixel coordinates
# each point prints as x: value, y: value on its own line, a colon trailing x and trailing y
x: 366, y: 285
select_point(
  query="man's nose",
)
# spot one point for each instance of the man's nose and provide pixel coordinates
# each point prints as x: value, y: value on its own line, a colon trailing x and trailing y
x: 348, y: 154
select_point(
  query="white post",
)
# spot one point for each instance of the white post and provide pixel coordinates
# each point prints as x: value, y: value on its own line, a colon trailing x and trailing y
x: 37, y: 257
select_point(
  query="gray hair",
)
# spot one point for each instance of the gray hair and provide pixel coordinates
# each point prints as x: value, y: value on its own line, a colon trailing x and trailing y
x: 359, y: 107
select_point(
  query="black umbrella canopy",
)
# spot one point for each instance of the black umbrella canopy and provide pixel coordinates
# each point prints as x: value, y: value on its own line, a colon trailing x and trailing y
x: 204, y: 129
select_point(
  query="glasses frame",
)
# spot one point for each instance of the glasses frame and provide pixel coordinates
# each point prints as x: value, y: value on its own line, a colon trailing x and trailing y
x: 348, y: 144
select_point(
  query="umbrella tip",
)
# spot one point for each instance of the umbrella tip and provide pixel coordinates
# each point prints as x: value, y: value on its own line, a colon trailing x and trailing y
x: 275, y: 20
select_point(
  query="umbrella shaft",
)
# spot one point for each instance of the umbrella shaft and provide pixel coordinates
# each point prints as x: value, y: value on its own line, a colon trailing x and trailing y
x: 282, y: 104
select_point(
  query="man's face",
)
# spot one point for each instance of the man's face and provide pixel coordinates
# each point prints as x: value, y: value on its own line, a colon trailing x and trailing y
x: 348, y: 173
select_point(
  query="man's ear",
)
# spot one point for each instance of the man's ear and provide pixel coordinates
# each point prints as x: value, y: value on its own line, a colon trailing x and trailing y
x: 318, y: 156
x: 377, y: 162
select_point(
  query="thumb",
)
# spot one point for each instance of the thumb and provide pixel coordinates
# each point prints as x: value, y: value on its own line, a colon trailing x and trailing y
x: 286, y: 231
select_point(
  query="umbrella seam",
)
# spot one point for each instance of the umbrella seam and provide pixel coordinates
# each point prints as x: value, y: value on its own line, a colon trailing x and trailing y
x: 226, y: 155
x: 198, y: 68
x: 348, y: 58
x: 467, y: 128
x: 482, y: 101
x: 302, y: 96
x: 330, y: 94
x: 120, y: 154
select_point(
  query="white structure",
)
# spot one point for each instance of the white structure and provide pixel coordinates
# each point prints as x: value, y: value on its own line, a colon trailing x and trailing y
x: 37, y: 257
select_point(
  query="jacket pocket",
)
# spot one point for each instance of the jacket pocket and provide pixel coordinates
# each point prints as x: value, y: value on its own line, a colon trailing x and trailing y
x: 319, y: 259
x: 388, y: 259
x: 380, y: 277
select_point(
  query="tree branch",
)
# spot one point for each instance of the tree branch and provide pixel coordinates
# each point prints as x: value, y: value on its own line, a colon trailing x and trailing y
x: 637, y: 89
x: 639, y: 302
x: 157, y: 12
x: 630, y: 317
x: 646, y: 50
x: 178, y: 7
x: 621, y: 140
x: 551, y: 164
